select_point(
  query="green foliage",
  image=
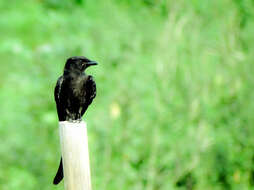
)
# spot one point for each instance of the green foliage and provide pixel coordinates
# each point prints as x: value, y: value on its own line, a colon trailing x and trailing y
x: 174, y: 108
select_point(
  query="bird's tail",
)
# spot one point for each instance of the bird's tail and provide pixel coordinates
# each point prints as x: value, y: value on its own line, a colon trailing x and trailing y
x: 59, y: 174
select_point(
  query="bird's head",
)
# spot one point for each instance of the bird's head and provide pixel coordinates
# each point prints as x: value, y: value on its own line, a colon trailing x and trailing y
x: 78, y: 64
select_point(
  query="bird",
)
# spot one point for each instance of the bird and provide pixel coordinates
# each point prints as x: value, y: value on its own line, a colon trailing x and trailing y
x: 74, y: 92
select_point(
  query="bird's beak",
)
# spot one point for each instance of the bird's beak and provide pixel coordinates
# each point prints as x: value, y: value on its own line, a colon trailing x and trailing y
x: 91, y: 63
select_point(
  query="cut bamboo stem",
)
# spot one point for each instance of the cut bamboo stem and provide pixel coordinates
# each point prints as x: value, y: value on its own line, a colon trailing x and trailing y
x: 75, y: 155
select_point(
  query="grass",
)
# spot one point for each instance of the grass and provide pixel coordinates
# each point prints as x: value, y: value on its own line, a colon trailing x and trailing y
x: 174, y: 108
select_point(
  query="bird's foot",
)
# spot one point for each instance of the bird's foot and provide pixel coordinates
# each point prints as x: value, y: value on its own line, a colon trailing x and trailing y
x: 75, y: 120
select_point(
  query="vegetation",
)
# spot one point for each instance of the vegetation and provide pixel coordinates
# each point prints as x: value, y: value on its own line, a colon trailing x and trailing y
x: 175, y: 105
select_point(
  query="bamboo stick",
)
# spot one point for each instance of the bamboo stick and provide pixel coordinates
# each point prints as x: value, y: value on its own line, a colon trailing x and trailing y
x: 75, y: 154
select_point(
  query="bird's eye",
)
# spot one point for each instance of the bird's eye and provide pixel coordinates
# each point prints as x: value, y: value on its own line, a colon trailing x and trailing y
x: 82, y: 63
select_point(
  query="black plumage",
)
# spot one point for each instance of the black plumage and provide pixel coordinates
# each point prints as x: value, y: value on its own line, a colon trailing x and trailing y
x: 74, y: 92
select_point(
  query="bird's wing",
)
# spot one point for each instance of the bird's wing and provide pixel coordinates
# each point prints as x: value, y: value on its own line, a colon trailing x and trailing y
x: 58, y: 89
x: 90, y: 92
x: 91, y: 88
x: 57, y: 95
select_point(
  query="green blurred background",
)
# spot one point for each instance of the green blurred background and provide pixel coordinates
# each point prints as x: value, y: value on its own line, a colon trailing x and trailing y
x: 174, y: 108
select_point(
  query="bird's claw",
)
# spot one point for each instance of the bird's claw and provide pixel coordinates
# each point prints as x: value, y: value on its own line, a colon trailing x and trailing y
x: 75, y: 120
